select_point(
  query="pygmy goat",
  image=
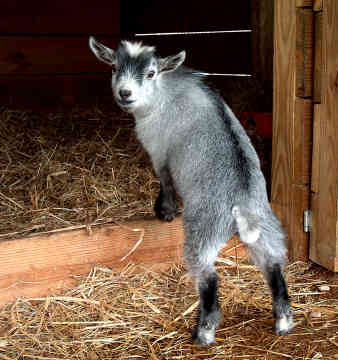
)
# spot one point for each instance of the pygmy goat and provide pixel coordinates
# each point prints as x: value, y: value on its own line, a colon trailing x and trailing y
x: 201, y: 153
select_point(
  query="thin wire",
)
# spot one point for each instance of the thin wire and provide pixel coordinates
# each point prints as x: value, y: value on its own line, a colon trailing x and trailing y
x: 195, y: 32
x: 220, y: 74
x: 202, y: 33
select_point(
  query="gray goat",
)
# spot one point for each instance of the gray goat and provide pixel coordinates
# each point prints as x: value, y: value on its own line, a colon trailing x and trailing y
x: 200, y: 152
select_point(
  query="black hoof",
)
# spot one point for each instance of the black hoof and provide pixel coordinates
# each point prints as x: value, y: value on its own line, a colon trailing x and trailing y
x: 165, y: 211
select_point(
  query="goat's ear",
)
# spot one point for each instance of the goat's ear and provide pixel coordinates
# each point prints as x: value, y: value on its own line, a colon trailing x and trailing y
x: 102, y: 52
x: 171, y: 63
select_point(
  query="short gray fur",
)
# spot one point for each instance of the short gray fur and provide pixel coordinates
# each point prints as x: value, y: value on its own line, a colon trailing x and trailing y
x: 200, y: 151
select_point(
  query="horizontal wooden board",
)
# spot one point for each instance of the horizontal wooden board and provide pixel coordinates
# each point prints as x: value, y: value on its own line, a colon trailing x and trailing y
x: 49, y: 55
x: 50, y: 92
x: 66, y: 55
x: 60, y: 17
x: 37, y: 265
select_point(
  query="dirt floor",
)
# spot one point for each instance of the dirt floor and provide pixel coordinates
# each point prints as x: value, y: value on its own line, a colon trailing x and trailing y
x: 140, y: 314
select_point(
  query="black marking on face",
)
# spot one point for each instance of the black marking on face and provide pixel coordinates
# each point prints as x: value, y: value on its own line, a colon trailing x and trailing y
x: 136, y: 66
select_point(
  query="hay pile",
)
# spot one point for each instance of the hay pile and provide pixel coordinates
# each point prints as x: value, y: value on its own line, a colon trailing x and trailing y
x: 70, y: 169
x: 66, y: 169
x: 139, y: 314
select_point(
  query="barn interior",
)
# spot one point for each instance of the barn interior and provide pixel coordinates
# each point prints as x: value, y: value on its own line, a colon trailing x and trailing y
x: 70, y: 161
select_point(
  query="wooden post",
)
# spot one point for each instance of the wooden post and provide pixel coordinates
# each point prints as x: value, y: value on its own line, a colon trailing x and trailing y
x: 324, y: 232
x: 292, y: 125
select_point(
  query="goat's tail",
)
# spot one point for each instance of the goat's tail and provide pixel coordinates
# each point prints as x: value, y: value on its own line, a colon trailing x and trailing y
x: 263, y: 236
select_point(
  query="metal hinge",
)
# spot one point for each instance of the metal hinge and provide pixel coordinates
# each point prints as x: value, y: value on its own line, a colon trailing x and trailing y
x: 307, y: 216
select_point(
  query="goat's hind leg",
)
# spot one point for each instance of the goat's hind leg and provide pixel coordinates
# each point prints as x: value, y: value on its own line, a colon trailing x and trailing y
x: 200, y: 262
x: 265, y: 241
x: 209, y: 315
x: 281, y: 303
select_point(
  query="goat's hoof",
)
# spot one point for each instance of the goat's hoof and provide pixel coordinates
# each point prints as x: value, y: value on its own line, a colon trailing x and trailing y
x: 165, y: 214
x: 203, y: 337
x: 168, y: 217
x: 284, y: 325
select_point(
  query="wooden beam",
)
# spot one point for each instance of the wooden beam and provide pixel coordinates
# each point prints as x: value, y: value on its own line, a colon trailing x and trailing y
x: 304, y: 52
x: 324, y: 237
x: 35, y: 266
x: 289, y: 195
x: 302, y: 143
x: 317, y: 76
x: 316, y: 149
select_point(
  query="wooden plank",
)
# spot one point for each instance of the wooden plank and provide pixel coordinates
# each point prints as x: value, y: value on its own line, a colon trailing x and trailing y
x: 303, y: 3
x: 317, y: 58
x: 50, y: 92
x: 49, y: 55
x: 317, y: 5
x: 299, y: 249
x: 321, y: 251
x: 66, y: 55
x: 323, y: 242
x: 37, y: 265
x: 316, y: 149
x: 60, y: 17
x: 302, y: 144
x: 304, y: 52
x: 284, y: 192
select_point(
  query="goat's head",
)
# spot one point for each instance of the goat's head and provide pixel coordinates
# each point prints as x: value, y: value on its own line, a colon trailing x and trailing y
x: 136, y: 71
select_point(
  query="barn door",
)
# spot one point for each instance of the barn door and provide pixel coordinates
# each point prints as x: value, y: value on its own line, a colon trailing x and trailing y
x: 305, y: 129
x: 324, y: 197
x: 292, y: 120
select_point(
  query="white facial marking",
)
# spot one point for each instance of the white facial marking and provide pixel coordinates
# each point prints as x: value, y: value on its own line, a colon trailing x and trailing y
x: 136, y: 48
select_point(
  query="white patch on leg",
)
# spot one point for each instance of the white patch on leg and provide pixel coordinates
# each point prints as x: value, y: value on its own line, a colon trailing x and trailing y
x: 206, y: 336
x: 284, y: 325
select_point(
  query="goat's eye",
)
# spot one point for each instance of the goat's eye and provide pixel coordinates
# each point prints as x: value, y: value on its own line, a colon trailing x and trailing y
x: 150, y: 74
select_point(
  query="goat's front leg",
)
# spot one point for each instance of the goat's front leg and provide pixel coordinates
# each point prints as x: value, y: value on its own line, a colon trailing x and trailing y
x: 165, y: 204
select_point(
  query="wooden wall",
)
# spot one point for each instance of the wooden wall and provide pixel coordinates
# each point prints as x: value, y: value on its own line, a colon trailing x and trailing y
x: 45, y: 58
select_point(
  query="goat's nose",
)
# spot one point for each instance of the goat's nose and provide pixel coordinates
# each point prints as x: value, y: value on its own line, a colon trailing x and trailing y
x: 124, y: 93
